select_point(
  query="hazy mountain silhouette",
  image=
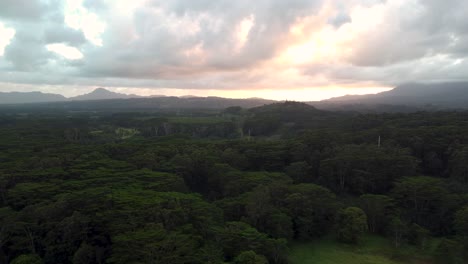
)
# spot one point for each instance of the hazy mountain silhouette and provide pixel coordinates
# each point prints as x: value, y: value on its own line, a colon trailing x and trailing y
x: 101, y: 98
x: 407, y: 97
x: 150, y: 104
x: 102, y: 94
x: 29, y: 97
x: 451, y: 95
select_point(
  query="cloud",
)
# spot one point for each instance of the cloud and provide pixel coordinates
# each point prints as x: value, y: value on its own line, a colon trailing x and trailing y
x: 233, y: 45
x: 22, y: 9
x: 77, y: 17
x: 6, y: 34
x: 175, y: 39
x: 63, y: 34
x: 67, y: 52
x: 26, y: 52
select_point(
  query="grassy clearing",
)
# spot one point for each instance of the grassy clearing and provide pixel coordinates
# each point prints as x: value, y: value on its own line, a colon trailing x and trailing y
x: 371, y: 250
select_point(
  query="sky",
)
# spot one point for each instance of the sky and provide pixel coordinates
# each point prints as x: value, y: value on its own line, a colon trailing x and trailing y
x: 286, y: 50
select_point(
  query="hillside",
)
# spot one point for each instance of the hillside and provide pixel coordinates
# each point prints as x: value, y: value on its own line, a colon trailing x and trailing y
x: 288, y: 116
x: 29, y: 97
x: 442, y: 95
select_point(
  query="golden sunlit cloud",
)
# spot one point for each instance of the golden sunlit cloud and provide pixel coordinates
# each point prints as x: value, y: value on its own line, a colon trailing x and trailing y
x: 313, y: 40
x: 243, y: 31
x: 6, y: 34
x: 67, y: 52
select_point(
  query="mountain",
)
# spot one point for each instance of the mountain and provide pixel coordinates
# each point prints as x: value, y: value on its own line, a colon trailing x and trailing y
x: 436, y: 95
x: 150, y: 104
x: 287, y: 110
x: 102, y: 94
x: 286, y: 118
x: 404, y: 98
x: 102, y: 99
x: 29, y: 97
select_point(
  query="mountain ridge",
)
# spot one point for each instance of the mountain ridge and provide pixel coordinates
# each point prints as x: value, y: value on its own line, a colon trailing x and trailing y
x: 413, y: 95
x: 445, y: 95
x: 29, y: 97
x: 40, y: 97
x: 102, y: 94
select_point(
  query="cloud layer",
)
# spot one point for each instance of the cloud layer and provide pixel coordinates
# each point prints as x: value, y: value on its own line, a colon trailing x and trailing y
x: 228, y: 46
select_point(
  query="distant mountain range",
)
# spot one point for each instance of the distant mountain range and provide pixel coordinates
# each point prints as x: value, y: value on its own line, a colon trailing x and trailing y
x: 30, y: 97
x: 101, y: 98
x: 144, y: 104
x: 407, y: 97
x: 436, y: 95
x: 39, y: 97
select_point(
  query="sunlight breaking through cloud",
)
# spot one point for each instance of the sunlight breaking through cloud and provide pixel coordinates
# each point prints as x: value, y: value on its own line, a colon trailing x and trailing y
x: 79, y: 18
x: 6, y: 34
x: 67, y: 52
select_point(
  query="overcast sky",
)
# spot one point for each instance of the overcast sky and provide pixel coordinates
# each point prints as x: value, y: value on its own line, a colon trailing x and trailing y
x: 295, y: 49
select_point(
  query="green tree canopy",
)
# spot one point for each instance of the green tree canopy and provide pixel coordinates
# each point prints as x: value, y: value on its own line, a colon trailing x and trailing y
x: 352, y: 223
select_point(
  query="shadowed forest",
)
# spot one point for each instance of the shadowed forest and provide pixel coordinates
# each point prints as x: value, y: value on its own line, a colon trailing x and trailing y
x: 281, y: 183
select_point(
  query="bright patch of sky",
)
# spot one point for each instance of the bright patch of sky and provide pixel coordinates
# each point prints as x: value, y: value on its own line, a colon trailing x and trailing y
x: 79, y: 18
x: 243, y: 31
x: 65, y: 51
x: 6, y: 34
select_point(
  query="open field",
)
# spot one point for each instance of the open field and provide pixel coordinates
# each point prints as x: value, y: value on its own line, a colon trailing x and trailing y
x: 372, y: 250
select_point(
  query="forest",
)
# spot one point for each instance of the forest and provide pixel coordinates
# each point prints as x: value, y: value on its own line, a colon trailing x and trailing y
x: 236, y: 185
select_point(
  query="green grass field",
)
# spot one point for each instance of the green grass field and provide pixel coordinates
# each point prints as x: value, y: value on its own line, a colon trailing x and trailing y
x: 371, y: 250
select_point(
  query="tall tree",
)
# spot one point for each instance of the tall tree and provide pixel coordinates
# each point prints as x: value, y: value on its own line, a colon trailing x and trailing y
x: 351, y: 224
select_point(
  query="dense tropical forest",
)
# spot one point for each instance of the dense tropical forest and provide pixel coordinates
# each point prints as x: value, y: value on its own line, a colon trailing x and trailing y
x: 281, y: 183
